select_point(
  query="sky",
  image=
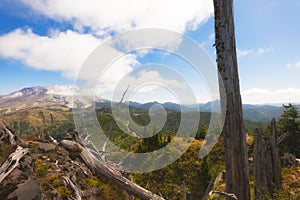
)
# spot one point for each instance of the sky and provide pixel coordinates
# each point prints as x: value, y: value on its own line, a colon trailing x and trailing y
x: 47, y: 42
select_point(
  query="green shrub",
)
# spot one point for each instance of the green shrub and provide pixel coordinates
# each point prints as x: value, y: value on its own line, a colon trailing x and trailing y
x: 93, y: 182
x: 41, y: 171
x: 64, y: 192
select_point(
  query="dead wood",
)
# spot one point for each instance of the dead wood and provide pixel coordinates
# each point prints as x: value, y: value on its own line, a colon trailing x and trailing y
x: 101, y: 169
x: 12, y: 162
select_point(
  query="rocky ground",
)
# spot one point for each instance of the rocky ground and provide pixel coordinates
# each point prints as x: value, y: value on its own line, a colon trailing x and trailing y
x: 49, y: 171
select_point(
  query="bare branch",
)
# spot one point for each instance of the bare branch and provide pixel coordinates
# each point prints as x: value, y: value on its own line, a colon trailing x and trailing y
x: 73, y: 187
x: 181, y: 189
x: 112, y: 121
x: 210, y: 183
x: 282, y: 137
x: 230, y: 195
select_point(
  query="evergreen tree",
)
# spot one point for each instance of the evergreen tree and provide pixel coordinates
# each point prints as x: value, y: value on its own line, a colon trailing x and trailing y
x: 201, y: 131
x: 288, y: 123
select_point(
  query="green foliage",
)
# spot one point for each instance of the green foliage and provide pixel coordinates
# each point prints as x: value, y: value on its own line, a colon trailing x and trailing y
x: 93, y: 182
x: 201, y: 131
x: 189, y: 169
x: 153, y: 143
x: 64, y: 192
x: 40, y: 168
x: 36, y: 121
x: 204, y: 174
x: 41, y: 171
x: 289, y: 123
x: 5, y: 151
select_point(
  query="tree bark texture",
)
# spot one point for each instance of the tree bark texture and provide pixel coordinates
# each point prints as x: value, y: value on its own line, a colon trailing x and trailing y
x: 236, y: 156
x: 266, y: 163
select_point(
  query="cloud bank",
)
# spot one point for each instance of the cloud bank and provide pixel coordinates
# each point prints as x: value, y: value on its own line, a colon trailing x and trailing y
x: 262, y: 96
x: 91, y: 22
x: 104, y: 16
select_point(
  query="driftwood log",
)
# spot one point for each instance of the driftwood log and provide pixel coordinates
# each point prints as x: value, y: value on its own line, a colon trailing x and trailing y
x: 266, y: 163
x: 100, y: 168
x: 12, y: 162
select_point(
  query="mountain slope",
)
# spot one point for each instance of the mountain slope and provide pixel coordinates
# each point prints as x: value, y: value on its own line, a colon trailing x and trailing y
x: 62, y: 96
x: 33, y: 97
x: 57, y: 95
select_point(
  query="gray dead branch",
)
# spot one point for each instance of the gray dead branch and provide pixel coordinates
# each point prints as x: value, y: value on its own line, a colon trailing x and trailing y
x: 228, y: 195
x: 12, y: 162
x: 102, y: 169
x: 73, y: 187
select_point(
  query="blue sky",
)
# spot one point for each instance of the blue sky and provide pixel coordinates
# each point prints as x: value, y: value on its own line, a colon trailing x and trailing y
x: 45, y: 43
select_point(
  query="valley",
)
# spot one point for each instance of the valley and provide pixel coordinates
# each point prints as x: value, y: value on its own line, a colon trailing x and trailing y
x: 32, y: 123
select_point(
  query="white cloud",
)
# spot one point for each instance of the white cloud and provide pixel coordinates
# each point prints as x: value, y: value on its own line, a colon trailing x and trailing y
x: 241, y: 53
x: 294, y: 65
x: 151, y: 84
x: 258, y: 52
x: 115, y: 73
x: 262, y: 51
x: 144, y: 82
x: 103, y: 16
x: 66, y: 90
x: 66, y: 51
x: 262, y: 96
x: 63, y: 51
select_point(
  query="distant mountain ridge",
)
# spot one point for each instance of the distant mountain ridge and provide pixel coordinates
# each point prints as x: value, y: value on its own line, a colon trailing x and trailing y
x: 254, y: 113
x: 62, y: 95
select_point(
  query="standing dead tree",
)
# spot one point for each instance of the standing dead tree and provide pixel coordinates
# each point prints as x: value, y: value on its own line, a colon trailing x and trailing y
x: 236, y: 156
x: 266, y: 163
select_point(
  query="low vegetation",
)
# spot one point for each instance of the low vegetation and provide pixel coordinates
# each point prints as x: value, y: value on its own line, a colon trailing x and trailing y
x: 189, y: 175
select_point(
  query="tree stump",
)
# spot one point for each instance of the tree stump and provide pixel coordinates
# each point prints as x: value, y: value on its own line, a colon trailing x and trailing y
x: 266, y: 163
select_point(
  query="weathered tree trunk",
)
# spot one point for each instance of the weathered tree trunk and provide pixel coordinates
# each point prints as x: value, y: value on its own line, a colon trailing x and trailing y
x: 110, y: 173
x: 12, y: 162
x: 236, y: 156
x: 259, y: 165
x: 266, y: 163
x: 6, y: 135
x: 275, y: 156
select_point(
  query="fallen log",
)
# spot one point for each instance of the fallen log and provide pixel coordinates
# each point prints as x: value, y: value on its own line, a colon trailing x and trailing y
x: 70, y: 184
x: 12, y: 162
x: 100, y: 168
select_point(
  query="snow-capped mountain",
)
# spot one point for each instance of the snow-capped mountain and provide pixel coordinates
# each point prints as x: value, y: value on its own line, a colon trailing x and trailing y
x: 38, y: 97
